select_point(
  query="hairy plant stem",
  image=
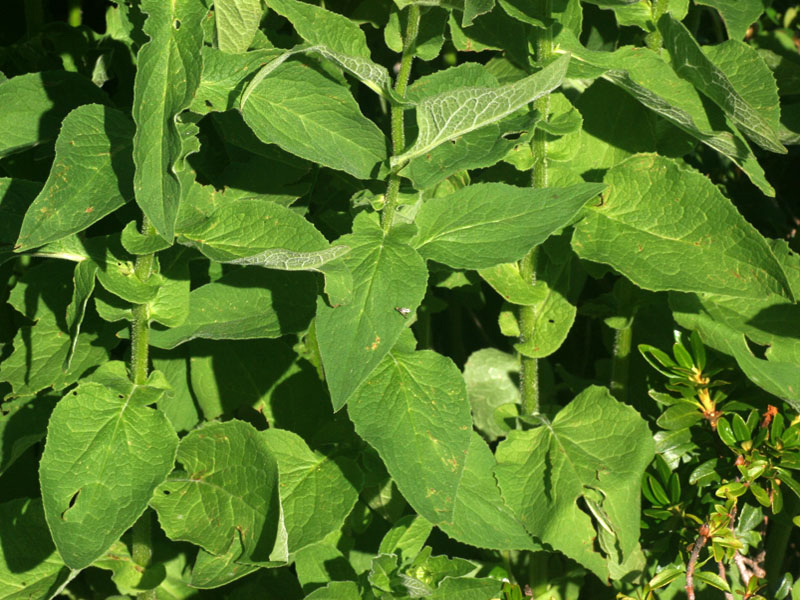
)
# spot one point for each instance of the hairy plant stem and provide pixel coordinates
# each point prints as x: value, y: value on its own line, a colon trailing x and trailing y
x: 620, y: 362
x: 398, y: 134
x: 140, y: 327
x: 141, y: 550
x: 623, y: 337
x: 529, y: 367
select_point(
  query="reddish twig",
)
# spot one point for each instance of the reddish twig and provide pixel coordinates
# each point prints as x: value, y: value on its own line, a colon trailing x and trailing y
x: 701, y: 541
x: 724, y: 576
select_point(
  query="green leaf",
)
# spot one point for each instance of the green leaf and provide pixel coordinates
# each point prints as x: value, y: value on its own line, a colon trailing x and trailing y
x: 228, y: 472
x: 323, y: 27
x: 211, y: 571
x: 83, y: 286
x: 245, y: 304
x: 487, y: 374
x: 668, y: 228
x: 23, y: 423
x: 561, y: 278
x: 16, y: 195
x: 90, y: 178
x: 474, y: 8
x: 353, y: 338
x: 256, y: 232
x: 477, y: 149
x: 451, y: 114
x: 481, y: 517
x: 406, y: 537
x: 689, y: 61
x: 97, y: 478
x: 167, y: 76
x: 222, y: 81
x: 41, y: 349
x: 467, y: 588
x: 317, y: 491
x: 508, y: 282
x: 713, y: 580
x: 595, y: 447
x: 29, y: 564
x: 308, y: 114
x: 486, y: 224
x: 647, y: 77
x: 34, y: 105
x: 336, y: 590
x: 414, y: 411
x: 237, y: 23
x: 737, y: 15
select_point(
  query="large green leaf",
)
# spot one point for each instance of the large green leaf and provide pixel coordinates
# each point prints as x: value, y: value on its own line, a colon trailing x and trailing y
x: 307, y: 113
x: 486, y: 224
x: 737, y: 15
x: 595, y: 450
x: 90, y: 178
x: 646, y: 76
x: 669, y: 228
x: 454, y: 113
x: 413, y: 410
x: 225, y: 497
x: 760, y: 122
x: 245, y: 304
x: 481, y: 516
x: 105, y: 453
x: 237, y: 23
x: 35, y: 103
x: 353, y: 338
x: 317, y: 491
x: 29, y: 564
x: 167, y: 76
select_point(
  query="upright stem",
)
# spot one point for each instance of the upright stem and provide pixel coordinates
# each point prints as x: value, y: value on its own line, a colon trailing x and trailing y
x: 621, y: 353
x: 398, y: 133
x: 140, y: 327
x: 141, y: 549
x: 529, y: 367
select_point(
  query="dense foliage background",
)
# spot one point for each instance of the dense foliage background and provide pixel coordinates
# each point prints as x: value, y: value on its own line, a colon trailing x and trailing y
x: 399, y: 298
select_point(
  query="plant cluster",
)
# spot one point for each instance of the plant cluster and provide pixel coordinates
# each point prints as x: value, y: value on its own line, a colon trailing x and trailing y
x: 339, y: 299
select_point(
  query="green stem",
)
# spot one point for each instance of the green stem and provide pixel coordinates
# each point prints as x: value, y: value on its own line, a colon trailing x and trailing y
x: 654, y: 40
x: 398, y: 133
x: 529, y: 367
x: 620, y: 362
x: 623, y: 338
x: 141, y: 550
x: 140, y: 327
